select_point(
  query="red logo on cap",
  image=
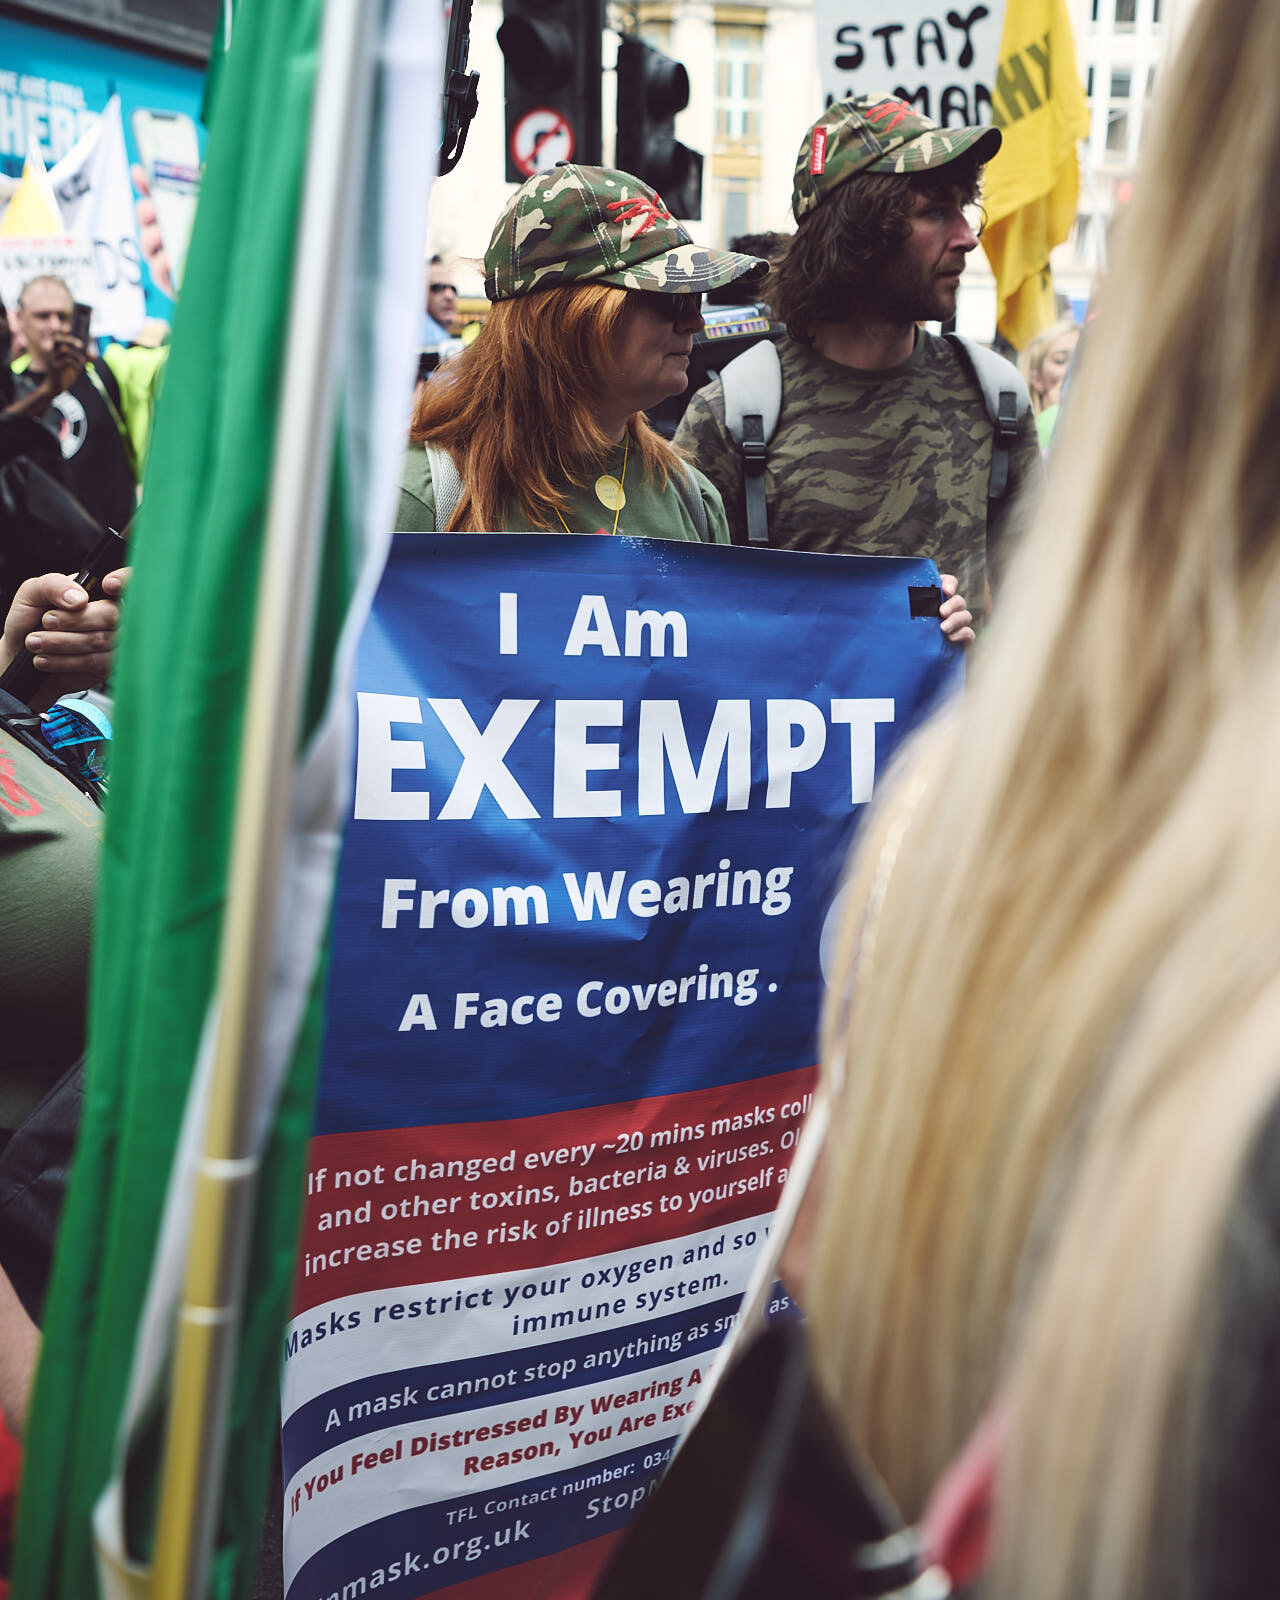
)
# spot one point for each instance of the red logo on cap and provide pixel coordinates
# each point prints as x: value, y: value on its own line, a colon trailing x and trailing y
x: 894, y: 109
x: 640, y: 206
x: 818, y: 155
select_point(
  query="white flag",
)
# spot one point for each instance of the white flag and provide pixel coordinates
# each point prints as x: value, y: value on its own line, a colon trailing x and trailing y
x: 95, y: 196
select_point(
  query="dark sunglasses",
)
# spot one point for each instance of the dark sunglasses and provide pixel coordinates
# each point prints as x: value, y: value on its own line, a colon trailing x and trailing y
x: 672, y: 308
x: 439, y: 288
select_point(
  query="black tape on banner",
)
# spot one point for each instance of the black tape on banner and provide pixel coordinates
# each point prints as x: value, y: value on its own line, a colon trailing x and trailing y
x: 926, y: 600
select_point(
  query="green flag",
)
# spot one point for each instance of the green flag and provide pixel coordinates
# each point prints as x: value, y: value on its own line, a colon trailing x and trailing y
x: 222, y: 426
x: 222, y: 31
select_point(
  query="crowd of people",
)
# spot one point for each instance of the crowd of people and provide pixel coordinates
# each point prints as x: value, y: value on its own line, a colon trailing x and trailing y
x: 1038, y: 1257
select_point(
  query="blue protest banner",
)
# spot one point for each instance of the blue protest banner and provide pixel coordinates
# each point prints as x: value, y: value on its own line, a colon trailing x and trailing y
x: 603, y: 792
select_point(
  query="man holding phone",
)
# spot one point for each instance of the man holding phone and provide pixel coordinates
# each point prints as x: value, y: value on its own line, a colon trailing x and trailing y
x: 81, y: 401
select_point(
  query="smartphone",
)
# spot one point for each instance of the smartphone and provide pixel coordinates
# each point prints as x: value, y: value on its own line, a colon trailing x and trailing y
x: 170, y: 155
x: 81, y: 316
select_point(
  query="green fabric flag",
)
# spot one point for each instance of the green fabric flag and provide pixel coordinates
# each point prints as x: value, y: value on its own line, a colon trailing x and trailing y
x: 180, y: 686
x: 222, y: 31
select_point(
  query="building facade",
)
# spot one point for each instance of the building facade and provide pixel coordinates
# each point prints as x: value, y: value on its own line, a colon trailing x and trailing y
x: 1122, y: 46
x: 753, y: 80
x: 754, y: 88
x: 181, y: 29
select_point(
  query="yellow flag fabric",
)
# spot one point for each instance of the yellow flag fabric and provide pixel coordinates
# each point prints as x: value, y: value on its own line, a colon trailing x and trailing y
x: 1031, y: 186
x: 32, y: 211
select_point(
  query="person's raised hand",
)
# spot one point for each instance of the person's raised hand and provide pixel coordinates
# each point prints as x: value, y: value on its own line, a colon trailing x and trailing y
x: 149, y: 235
x: 66, y: 363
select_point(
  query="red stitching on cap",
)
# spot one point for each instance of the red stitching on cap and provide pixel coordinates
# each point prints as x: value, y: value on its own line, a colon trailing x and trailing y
x: 888, y: 108
x: 639, y: 206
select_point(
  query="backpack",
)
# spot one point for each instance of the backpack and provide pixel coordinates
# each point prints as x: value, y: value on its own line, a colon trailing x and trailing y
x: 23, y: 725
x: 752, y: 385
x: 446, y: 483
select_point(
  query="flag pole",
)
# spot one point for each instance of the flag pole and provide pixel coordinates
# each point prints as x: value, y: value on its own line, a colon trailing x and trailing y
x: 209, y: 1318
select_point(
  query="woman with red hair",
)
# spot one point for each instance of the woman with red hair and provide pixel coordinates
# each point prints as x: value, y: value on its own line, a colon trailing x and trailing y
x: 539, y: 424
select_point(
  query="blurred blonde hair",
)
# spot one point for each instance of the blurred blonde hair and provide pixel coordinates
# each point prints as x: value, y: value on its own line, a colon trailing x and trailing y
x: 1054, y: 849
x: 1118, y: 1456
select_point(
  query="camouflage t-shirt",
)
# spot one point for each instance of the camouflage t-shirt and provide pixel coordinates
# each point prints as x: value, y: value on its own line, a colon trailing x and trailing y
x: 892, y: 463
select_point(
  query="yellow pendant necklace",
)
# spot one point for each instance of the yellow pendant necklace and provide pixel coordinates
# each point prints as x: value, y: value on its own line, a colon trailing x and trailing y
x: 610, y: 491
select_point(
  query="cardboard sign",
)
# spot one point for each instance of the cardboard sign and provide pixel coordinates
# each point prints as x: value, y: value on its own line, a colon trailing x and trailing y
x: 942, y: 61
x: 58, y: 256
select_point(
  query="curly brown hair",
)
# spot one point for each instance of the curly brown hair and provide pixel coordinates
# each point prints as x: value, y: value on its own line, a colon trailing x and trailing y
x: 840, y: 247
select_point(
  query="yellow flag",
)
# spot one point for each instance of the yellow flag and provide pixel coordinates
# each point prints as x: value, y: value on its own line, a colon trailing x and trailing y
x: 1031, y: 185
x: 33, y: 210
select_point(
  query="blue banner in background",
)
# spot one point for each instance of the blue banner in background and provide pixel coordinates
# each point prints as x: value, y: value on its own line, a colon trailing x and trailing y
x: 604, y: 791
x: 54, y: 85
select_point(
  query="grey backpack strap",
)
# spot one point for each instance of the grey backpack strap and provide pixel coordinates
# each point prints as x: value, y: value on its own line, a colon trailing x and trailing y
x: 752, y: 385
x: 446, y: 484
x: 689, y: 492
x: 1007, y: 400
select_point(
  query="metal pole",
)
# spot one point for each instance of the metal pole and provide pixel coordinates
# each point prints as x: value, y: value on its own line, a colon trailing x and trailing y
x: 208, y: 1323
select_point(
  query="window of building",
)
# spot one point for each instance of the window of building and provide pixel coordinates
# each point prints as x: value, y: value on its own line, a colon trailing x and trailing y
x: 1149, y: 90
x: 1088, y: 83
x: 1118, y: 114
x: 1126, y: 13
x: 657, y: 33
x: 651, y: 20
x: 739, y: 69
x: 1155, y: 12
x: 736, y: 202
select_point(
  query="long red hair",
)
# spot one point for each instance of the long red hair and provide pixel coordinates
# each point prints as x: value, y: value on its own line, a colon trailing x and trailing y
x: 516, y: 408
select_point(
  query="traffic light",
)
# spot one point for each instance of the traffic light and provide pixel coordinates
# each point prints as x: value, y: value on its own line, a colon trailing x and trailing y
x: 652, y: 88
x: 552, y: 53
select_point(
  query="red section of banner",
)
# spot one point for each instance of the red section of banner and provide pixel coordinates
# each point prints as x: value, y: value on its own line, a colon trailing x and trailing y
x: 569, y: 1575
x: 418, y: 1205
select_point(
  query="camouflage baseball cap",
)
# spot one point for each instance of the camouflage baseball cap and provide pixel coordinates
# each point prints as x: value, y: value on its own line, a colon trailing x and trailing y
x: 877, y: 133
x: 594, y: 225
